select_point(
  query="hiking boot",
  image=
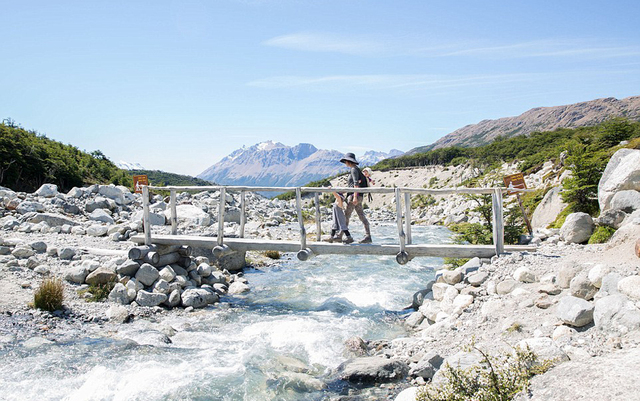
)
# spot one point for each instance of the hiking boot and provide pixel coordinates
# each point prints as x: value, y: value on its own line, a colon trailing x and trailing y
x: 330, y: 240
x: 366, y: 240
x: 348, y: 240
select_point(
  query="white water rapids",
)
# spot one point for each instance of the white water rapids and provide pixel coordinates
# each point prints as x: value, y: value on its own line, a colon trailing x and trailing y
x: 238, y: 349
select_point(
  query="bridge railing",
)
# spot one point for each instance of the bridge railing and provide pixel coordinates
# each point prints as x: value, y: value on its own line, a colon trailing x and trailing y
x: 400, y: 194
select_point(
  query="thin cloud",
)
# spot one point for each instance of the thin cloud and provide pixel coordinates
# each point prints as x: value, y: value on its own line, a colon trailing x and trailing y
x: 373, y: 46
x: 322, y: 42
x: 388, y: 81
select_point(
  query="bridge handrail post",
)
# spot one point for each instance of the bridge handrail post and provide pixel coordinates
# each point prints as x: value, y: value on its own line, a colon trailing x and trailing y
x: 498, y: 220
x: 243, y: 212
x: 174, y: 212
x: 316, y: 198
x: 401, y: 233
x: 303, y: 232
x: 223, y: 195
x: 145, y: 215
x: 407, y: 216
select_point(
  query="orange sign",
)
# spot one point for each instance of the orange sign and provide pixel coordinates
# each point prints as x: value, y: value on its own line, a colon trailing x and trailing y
x: 139, y: 181
x: 515, y: 181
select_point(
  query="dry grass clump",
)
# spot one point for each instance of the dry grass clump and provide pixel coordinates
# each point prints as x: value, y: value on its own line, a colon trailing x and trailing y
x: 272, y: 254
x: 50, y: 295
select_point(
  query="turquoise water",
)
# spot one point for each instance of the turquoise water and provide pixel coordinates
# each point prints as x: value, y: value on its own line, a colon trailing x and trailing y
x: 239, y: 349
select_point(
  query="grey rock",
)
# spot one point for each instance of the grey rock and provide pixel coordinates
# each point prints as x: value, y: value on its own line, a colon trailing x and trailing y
x: 524, y: 275
x: 97, y: 203
x: 76, y: 274
x: 581, y: 287
x: 161, y: 286
x: 44, y: 270
x: 414, y: 320
x: 577, y: 228
x: 119, y: 294
x: 575, y: 311
x: 238, y: 288
x: 609, y: 284
x: 147, y: 274
x: 75, y: 192
x: 102, y: 216
x: 627, y: 201
x: 550, y: 289
x: 419, y: 296
x: 614, y: 311
x: 427, y: 366
x: 545, y: 349
x: 197, y: 298
x: 356, y: 346
x: 117, y: 314
x: 145, y: 298
x: 597, y: 273
x: 611, y: 218
x: 52, y: 219
x: 506, y: 286
x: 566, y: 273
x: 128, y: 268
x: 548, y: 209
x: 471, y: 266
x: 476, y: 279
x: 97, y: 230
x: 39, y: 246
x: 452, y: 276
x: 174, y: 299
x: 168, y: 274
x: 23, y: 252
x: 373, y: 369
x: 461, y: 360
x: 204, y: 270
x: 630, y: 286
x: 70, y: 208
x: 155, y: 219
x: 100, y: 276
x: 622, y: 173
x: 47, y: 190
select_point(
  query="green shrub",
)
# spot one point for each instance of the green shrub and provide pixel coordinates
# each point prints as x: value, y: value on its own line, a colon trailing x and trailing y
x: 419, y: 201
x: 454, y: 263
x: 99, y: 292
x: 601, y: 235
x: 495, y: 379
x: 50, y: 295
x: 272, y: 254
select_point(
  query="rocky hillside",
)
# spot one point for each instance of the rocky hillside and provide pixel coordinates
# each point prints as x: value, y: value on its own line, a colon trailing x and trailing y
x: 275, y: 164
x: 539, y: 119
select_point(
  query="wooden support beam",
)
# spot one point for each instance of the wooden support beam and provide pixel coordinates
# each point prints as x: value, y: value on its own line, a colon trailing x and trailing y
x: 146, y: 222
x: 303, y: 231
x: 401, y: 234
x: 243, y: 212
x: 498, y: 221
x: 220, y: 251
x: 316, y: 198
x: 223, y: 201
x: 305, y: 254
x: 407, y: 216
x: 174, y: 213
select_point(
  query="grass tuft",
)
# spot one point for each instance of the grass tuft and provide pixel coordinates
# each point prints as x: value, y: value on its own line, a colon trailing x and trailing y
x: 50, y: 295
x: 272, y: 254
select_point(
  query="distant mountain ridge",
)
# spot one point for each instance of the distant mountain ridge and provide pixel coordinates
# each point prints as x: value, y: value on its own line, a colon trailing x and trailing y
x: 275, y: 164
x: 129, y: 166
x: 539, y: 119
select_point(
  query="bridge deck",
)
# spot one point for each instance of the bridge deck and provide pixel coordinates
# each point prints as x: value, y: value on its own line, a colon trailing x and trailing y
x: 323, y: 248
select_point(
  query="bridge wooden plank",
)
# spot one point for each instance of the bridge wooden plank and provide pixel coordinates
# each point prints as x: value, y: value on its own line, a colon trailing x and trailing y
x: 322, y: 248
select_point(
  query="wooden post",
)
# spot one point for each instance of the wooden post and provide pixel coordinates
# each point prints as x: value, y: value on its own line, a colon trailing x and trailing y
x: 303, y: 232
x: 498, y: 221
x: 174, y: 213
x: 305, y: 254
x: 407, y: 216
x: 243, y: 212
x: 145, y: 215
x: 524, y: 215
x: 223, y: 201
x: 316, y: 198
x: 401, y: 234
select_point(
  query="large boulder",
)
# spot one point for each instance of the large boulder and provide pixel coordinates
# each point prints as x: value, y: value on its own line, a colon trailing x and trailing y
x: 146, y: 298
x: 25, y: 207
x: 548, y: 209
x: 119, y: 294
x: 47, y: 190
x: 98, y: 203
x: 611, y: 218
x: 155, y: 219
x: 147, y: 274
x: 190, y: 214
x: 198, y: 298
x: 622, y: 173
x: 614, y: 311
x: 101, y: 215
x: 52, y: 219
x: 374, y: 369
x: 630, y: 286
x: 575, y: 311
x: 628, y: 201
x: 100, y: 276
x: 577, y: 228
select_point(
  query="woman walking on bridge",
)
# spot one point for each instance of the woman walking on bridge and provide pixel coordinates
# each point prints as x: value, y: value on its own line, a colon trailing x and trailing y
x: 354, y: 199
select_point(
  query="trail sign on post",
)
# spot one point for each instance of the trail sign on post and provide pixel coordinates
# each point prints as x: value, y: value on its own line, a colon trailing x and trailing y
x: 516, y: 181
x: 138, y: 182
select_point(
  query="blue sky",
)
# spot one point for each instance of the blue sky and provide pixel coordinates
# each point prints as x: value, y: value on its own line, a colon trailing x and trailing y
x: 177, y: 85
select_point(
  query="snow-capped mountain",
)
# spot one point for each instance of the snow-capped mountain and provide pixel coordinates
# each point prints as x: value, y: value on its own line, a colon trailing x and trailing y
x: 275, y: 164
x: 372, y: 157
x: 129, y: 166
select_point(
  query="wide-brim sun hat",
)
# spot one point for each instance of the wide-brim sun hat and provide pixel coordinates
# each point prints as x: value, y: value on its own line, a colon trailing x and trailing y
x: 349, y: 157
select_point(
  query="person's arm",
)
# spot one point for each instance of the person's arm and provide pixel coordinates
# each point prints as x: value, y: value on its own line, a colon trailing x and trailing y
x: 354, y: 177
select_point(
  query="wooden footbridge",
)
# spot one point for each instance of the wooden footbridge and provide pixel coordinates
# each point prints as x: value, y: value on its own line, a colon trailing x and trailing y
x: 404, y: 250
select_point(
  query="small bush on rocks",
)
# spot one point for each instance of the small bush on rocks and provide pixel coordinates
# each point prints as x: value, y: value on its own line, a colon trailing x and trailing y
x: 272, y: 254
x: 50, y: 295
x: 99, y: 292
x: 601, y: 235
x: 496, y: 379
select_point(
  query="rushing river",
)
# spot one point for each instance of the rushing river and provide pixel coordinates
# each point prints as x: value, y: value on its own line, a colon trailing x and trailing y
x: 272, y: 344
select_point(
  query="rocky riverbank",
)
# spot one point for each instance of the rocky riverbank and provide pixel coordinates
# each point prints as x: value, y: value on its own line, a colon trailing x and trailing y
x: 575, y: 304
